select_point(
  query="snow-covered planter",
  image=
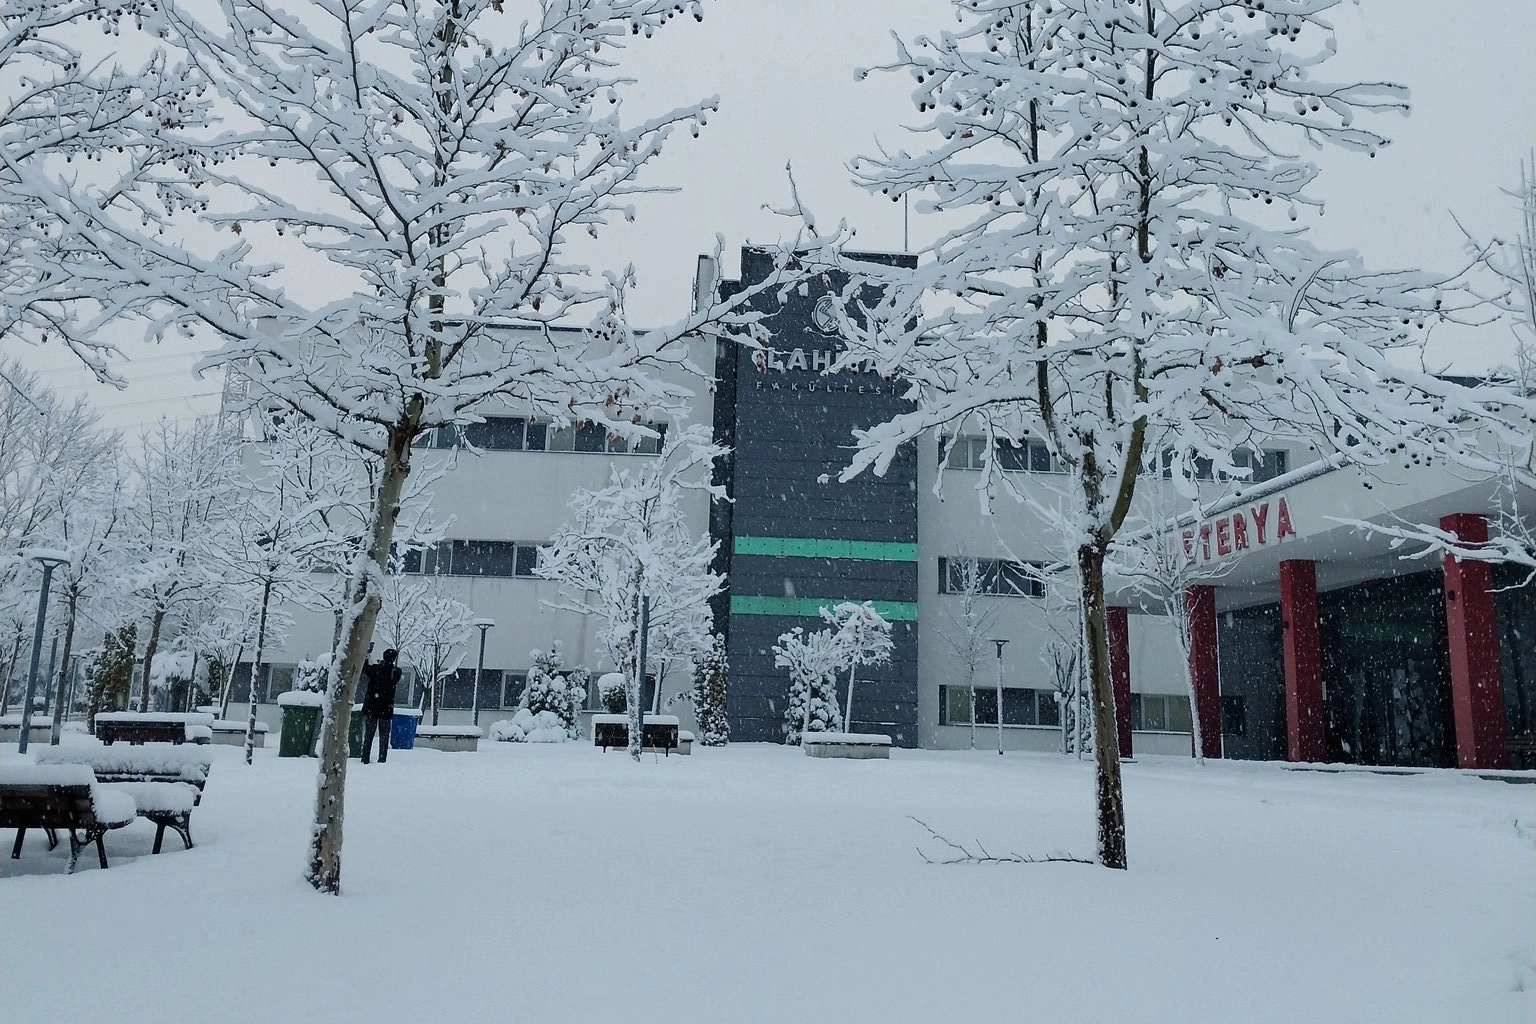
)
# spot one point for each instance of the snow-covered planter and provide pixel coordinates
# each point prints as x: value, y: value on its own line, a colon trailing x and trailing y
x: 449, y: 737
x: 527, y: 726
x: 685, y: 742
x: 41, y: 730
x: 846, y: 744
x: 230, y: 732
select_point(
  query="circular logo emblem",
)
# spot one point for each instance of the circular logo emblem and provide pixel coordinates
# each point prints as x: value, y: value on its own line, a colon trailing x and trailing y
x: 824, y: 316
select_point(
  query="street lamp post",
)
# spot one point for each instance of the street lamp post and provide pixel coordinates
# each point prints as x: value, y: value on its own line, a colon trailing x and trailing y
x: 999, y: 644
x: 482, y: 625
x: 49, y: 560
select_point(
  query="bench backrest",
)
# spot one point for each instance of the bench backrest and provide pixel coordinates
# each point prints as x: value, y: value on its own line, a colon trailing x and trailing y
x: 40, y: 805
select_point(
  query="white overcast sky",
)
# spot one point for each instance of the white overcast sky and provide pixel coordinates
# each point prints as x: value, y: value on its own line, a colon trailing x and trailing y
x: 784, y: 72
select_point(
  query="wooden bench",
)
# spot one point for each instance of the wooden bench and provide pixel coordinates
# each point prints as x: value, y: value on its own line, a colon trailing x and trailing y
x: 52, y: 798
x: 135, y: 728
x: 659, y: 733
x: 163, y: 793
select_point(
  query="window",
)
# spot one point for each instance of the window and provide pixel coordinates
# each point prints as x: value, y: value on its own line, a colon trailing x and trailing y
x: 1262, y: 465
x: 994, y: 576
x: 520, y: 433
x: 499, y: 559
x: 1157, y: 712
x: 1030, y: 455
x: 1021, y: 706
x: 967, y: 452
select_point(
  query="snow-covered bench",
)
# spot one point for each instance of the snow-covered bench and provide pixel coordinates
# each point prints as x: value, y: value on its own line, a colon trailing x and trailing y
x: 846, y: 744
x: 231, y: 732
x: 55, y: 796
x: 133, y: 727
x: 448, y: 737
x: 167, y: 804
x: 659, y: 734
x: 164, y: 780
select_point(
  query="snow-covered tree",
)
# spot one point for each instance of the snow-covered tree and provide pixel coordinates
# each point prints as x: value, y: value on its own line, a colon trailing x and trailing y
x: 711, y: 677
x: 186, y: 481
x: 631, y: 541
x: 548, y: 690
x: 51, y: 454
x: 1151, y: 557
x: 109, y: 673
x: 863, y: 637
x: 812, y: 660
x: 969, y: 624
x: 430, y: 162
x: 71, y: 123
x: 87, y: 522
x: 1127, y: 264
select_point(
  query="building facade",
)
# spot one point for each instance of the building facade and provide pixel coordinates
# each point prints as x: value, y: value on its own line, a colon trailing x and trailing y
x: 1311, y: 639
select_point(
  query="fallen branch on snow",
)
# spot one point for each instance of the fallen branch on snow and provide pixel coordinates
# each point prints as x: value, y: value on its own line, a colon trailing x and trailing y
x: 963, y: 855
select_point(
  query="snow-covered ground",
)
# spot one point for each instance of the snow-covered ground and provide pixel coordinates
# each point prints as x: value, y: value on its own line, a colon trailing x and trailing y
x: 555, y: 883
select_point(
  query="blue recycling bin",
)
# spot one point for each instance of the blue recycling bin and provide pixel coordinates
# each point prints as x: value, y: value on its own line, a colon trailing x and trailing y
x: 402, y: 728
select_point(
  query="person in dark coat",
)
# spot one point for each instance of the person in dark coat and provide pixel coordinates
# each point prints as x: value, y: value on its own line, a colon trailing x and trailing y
x: 380, y: 678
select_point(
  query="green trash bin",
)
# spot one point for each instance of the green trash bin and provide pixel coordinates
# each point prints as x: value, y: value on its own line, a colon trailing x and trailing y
x: 355, y: 732
x: 301, y: 720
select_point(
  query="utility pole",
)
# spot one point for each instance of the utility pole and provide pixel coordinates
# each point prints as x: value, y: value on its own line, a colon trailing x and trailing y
x: 999, y: 644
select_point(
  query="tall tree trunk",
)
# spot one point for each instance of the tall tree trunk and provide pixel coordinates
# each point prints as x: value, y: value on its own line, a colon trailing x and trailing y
x: 1106, y: 746
x: 228, y: 682
x: 10, y: 671
x: 150, y: 646
x: 362, y: 610
x: 848, y: 708
x: 261, y: 641
x: 61, y: 691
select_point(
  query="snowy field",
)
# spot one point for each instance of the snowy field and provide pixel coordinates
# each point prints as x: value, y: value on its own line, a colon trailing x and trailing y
x: 556, y: 883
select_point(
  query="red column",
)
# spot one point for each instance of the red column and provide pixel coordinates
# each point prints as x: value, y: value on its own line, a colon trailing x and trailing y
x: 1120, y: 673
x: 1477, y: 696
x: 1303, y: 660
x: 1201, y: 604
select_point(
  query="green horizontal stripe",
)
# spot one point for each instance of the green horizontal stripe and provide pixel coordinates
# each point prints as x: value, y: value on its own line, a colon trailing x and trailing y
x: 811, y: 547
x: 810, y: 607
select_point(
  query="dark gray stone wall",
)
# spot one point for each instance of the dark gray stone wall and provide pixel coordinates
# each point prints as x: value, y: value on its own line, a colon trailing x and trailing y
x: 792, y: 428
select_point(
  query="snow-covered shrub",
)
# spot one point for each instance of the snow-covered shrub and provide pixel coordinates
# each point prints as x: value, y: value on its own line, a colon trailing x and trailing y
x: 310, y: 673
x: 709, y: 695
x: 812, y: 660
x: 530, y: 727
x: 548, y: 691
x: 613, y: 692
x: 110, y: 673
x: 581, y: 681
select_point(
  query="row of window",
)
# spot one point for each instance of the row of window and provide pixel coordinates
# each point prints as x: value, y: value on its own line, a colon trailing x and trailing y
x: 995, y: 576
x: 1151, y: 712
x: 1021, y: 706
x: 1032, y: 455
x: 506, y: 559
x: 499, y: 689
x: 522, y: 434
